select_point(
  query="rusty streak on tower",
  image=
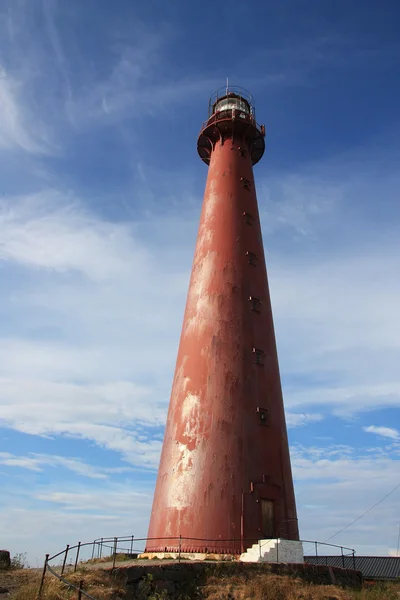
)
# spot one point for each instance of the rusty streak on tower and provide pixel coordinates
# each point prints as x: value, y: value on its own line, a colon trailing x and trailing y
x: 225, y: 473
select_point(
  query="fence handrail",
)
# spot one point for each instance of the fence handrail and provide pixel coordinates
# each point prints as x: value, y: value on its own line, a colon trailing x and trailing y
x: 70, y: 584
x: 326, y: 544
x: 104, y: 542
x: 113, y: 543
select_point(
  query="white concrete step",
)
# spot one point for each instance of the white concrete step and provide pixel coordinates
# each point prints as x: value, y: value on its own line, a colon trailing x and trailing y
x: 278, y: 550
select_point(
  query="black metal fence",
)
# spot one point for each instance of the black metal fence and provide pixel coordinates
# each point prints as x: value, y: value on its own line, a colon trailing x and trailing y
x: 114, y: 549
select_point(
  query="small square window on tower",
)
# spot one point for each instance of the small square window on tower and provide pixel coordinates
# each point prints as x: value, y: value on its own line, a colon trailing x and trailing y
x: 262, y: 415
x: 251, y: 258
x: 245, y: 183
x: 255, y: 304
x: 259, y: 356
x: 248, y: 218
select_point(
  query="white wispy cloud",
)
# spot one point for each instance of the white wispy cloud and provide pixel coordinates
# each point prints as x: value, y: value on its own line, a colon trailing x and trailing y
x: 17, y: 128
x: 120, y: 499
x: 115, y: 415
x: 102, y: 262
x: 38, y: 462
x: 300, y: 419
x: 51, y: 231
x: 388, y: 432
x: 60, y: 86
x: 82, y: 515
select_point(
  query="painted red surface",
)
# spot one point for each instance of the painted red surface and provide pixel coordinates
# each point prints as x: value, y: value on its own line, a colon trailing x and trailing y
x: 225, y: 447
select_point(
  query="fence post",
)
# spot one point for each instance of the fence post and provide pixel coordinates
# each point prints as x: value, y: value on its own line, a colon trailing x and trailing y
x: 80, y: 590
x: 180, y: 546
x: 115, y: 552
x: 316, y: 550
x: 43, y: 575
x: 341, y: 548
x: 94, y: 542
x: 132, y: 544
x: 354, y: 561
x: 65, y: 559
x: 77, y: 555
x: 101, y: 547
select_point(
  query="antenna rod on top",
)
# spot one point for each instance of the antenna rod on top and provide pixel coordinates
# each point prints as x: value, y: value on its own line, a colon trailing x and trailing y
x: 227, y: 85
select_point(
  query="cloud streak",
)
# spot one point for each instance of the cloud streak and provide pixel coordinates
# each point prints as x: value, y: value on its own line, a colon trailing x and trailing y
x: 49, y: 231
x: 301, y: 419
x: 16, y: 130
x: 38, y: 462
x: 387, y: 432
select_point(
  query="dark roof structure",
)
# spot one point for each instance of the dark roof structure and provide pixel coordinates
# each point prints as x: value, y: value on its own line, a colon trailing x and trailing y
x: 371, y: 567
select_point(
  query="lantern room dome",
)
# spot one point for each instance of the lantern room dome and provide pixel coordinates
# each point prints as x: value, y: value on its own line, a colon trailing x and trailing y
x: 231, y: 114
x: 230, y: 102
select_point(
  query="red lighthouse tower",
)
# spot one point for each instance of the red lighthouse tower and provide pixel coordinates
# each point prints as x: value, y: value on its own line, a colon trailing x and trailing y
x: 225, y: 478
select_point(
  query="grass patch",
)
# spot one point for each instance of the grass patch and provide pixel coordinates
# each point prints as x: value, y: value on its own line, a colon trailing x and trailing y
x: 109, y: 559
x: 275, y: 587
x: 103, y: 585
x: 98, y: 583
x: 378, y: 591
x: 269, y: 587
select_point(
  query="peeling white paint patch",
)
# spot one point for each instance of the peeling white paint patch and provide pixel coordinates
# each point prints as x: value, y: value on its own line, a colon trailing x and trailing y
x: 212, y: 198
x: 186, y: 381
x: 205, y: 270
x: 206, y: 313
x: 185, y: 466
x: 179, y: 375
x: 190, y: 325
x: 199, y: 296
x: 206, y: 239
x: 191, y: 418
x: 190, y: 405
x: 180, y: 385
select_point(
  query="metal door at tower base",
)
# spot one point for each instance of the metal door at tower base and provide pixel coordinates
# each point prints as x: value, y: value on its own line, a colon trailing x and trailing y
x: 267, y: 519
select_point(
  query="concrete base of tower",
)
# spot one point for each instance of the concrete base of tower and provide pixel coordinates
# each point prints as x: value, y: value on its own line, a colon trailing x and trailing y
x: 278, y: 550
x: 204, y: 556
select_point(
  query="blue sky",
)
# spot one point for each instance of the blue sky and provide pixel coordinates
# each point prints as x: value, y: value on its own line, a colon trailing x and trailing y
x: 100, y: 196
